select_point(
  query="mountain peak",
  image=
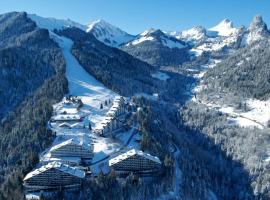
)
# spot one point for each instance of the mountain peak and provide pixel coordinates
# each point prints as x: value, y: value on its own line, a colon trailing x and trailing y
x: 257, y: 30
x: 257, y: 23
x: 98, y: 22
x: 224, y: 28
x: 195, y: 33
x: 108, y: 34
x: 225, y: 23
x: 148, y: 31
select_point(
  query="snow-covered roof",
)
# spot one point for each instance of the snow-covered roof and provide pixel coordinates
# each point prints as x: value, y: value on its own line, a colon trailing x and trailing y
x: 130, y: 153
x: 76, y: 160
x: 74, y: 141
x: 64, y: 124
x: 59, y: 166
x: 76, y: 125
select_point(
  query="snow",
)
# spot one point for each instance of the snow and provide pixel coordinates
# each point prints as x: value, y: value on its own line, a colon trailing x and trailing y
x: 224, y: 28
x: 259, y: 111
x: 214, y: 44
x: 130, y: 138
x: 252, y: 37
x: 161, y: 76
x: 106, y: 145
x: 32, y: 196
x: 108, y: 33
x: 195, y: 33
x: 147, y: 31
x: 82, y: 84
x: 174, y: 194
x: 171, y: 44
x: 52, y: 23
x: 56, y: 165
x: 152, y: 97
x: 267, y: 159
x: 141, y: 40
x: 243, y: 122
x: 203, y: 68
x: 257, y: 116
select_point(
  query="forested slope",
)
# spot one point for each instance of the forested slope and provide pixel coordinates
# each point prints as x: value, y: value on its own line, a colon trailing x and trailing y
x: 32, y: 80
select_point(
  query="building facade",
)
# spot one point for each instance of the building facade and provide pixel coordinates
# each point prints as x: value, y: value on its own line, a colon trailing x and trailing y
x: 52, y: 176
x: 135, y: 161
x: 114, y: 120
x: 72, y: 148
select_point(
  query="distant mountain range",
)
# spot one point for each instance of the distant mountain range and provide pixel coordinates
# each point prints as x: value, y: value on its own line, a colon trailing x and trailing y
x: 163, y: 48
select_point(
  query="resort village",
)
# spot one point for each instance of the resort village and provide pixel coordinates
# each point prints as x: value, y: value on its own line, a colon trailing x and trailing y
x: 83, y: 149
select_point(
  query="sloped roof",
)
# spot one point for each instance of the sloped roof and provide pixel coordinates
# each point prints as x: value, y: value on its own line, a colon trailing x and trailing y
x: 130, y: 153
x: 75, y: 141
x: 76, y: 125
x: 64, y: 124
x: 59, y: 166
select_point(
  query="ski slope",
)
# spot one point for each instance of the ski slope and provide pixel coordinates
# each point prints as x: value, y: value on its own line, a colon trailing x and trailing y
x: 82, y: 84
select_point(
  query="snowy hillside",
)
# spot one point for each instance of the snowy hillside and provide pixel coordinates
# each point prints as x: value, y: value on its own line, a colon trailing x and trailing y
x: 109, y: 34
x: 52, y: 23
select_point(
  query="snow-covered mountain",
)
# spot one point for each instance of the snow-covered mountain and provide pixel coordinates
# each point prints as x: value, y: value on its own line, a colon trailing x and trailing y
x: 257, y: 30
x: 52, y: 23
x: 216, y: 39
x: 157, y: 36
x: 157, y: 48
x: 194, y: 34
x: 109, y: 34
x: 224, y: 28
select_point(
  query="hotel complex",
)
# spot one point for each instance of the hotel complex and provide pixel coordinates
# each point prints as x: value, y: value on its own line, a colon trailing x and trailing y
x: 72, y: 148
x: 135, y: 161
x: 113, y: 120
x: 52, y: 176
x: 61, y: 165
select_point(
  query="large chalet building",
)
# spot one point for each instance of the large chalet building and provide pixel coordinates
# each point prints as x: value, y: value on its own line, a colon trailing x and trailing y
x: 52, y: 176
x: 135, y: 161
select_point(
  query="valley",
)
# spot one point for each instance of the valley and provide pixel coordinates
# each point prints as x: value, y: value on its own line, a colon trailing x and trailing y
x: 157, y: 115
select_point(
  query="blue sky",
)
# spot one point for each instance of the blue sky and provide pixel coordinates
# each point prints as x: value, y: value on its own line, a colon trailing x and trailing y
x: 134, y: 16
